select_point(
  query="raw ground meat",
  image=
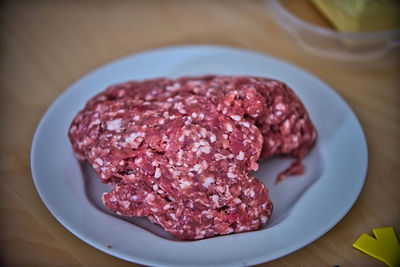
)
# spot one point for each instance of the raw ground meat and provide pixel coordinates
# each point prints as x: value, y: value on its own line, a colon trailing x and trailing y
x: 180, y: 152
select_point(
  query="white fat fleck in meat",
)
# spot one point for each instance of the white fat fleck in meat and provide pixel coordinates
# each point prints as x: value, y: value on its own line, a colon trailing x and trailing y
x: 201, y: 116
x: 235, y: 117
x: 137, y: 161
x: 194, y: 115
x: 237, y: 200
x: 173, y: 117
x: 204, y: 165
x: 196, y: 167
x: 73, y: 129
x: 86, y: 141
x: 155, y: 218
x: 99, y: 161
x: 179, y: 106
x: 203, y: 143
x: 264, y: 219
x: 206, y: 149
x: 271, y: 142
x: 194, y: 83
x: 200, y: 167
x: 95, y: 122
x: 231, y: 175
x: 131, y: 176
x: 131, y: 138
x: 155, y: 210
x: 208, y: 181
x: 232, y: 167
x: 219, y: 157
x: 220, y: 189
x: 113, y: 198
x: 256, y: 212
x: 114, y: 125
x: 155, y: 187
x: 157, y: 173
x: 125, y: 204
x: 280, y: 106
x: 181, y: 138
x: 252, y: 194
x: 149, y: 198
x: 240, y: 156
x: 246, y: 124
x: 203, y: 132
x: 229, y: 230
x: 185, y: 184
x: 173, y: 87
x: 213, y: 138
x: 229, y: 127
x: 173, y: 216
x: 215, y: 199
x: 122, y: 162
x: 285, y: 127
x: 207, y: 214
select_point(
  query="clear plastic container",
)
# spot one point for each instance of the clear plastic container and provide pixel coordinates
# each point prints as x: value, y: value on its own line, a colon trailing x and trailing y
x: 330, y: 44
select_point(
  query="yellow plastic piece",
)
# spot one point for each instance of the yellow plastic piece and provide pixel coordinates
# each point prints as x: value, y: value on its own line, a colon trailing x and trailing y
x: 385, y: 247
x: 361, y: 15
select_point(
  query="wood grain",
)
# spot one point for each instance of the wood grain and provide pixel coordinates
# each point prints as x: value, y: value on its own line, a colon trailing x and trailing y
x: 47, y: 45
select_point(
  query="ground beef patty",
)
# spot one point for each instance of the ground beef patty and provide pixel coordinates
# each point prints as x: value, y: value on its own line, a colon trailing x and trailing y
x: 180, y: 152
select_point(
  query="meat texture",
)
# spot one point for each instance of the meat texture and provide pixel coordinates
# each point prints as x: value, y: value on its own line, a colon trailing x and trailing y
x: 180, y: 152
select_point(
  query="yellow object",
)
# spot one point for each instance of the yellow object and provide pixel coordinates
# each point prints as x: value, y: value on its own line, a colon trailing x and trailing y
x: 361, y: 15
x: 385, y: 247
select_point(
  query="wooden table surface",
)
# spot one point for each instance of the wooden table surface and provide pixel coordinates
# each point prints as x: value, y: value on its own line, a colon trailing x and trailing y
x: 47, y: 45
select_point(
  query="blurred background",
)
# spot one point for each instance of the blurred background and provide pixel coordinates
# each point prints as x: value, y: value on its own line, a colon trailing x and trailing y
x: 46, y: 45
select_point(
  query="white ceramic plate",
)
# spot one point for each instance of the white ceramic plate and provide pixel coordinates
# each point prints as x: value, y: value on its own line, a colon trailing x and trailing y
x: 306, y: 206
